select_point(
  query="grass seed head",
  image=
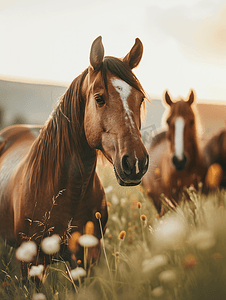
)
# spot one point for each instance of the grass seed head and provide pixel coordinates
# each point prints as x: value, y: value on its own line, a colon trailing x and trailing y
x: 78, y: 273
x: 89, y: 228
x: 88, y: 240
x: 143, y: 218
x: 122, y: 235
x: 98, y: 215
x: 79, y: 262
x: 36, y: 270
x: 51, y: 245
x: 39, y: 296
x: 189, y: 261
x: 139, y: 204
x: 150, y: 265
x: 116, y: 254
x: 168, y: 277
x: 26, y: 251
x: 158, y: 292
x: 73, y: 241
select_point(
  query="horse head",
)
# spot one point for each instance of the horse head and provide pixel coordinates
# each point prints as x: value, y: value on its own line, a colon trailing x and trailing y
x: 113, y: 99
x: 181, y: 131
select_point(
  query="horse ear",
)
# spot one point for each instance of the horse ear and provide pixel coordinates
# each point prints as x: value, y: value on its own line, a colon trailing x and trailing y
x: 133, y: 58
x: 168, y: 99
x: 96, y: 53
x: 191, y: 98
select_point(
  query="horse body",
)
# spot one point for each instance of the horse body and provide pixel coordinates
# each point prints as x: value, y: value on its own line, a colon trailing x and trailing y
x: 48, y: 174
x: 175, y: 159
x: 16, y: 141
x: 215, y: 156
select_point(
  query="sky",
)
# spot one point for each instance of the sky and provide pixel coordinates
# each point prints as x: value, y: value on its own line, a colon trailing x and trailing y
x: 184, y: 41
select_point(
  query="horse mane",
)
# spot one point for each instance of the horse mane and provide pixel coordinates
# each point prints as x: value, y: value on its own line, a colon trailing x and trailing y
x: 60, y: 135
x: 158, y: 138
x: 59, y: 138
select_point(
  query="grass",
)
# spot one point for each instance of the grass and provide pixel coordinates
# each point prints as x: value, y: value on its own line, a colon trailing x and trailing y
x: 181, y: 256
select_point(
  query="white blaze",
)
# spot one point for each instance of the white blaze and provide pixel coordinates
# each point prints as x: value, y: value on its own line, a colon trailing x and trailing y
x: 179, y: 138
x: 136, y: 164
x: 124, y: 90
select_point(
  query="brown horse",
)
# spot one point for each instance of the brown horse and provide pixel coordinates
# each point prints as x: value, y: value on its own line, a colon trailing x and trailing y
x: 215, y: 156
x: 175, y: 159
x: 99, y: 111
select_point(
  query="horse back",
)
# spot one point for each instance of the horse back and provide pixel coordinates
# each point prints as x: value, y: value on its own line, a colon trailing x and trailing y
x: 215, y: 156
x: 215, y: 148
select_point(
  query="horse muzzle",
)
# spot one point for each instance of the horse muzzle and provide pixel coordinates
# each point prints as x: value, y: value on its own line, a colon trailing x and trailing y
x: 131, y: 170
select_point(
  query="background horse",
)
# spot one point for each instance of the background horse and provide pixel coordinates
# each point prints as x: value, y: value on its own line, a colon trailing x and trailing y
x: 175, y: 159
x: 99, y: 111
x: 215, y: 156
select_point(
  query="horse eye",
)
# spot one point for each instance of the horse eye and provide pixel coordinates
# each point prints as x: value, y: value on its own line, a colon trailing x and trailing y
x: 99, y: 100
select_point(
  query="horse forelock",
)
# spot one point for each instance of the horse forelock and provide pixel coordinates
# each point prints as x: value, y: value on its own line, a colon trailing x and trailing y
x: 118, y: 68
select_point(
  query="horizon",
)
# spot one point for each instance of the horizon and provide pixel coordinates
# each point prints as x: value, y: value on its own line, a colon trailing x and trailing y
x: 66, y: 85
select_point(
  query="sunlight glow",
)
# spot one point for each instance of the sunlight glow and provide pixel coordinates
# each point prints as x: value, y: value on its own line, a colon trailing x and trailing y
x: 184, y: 41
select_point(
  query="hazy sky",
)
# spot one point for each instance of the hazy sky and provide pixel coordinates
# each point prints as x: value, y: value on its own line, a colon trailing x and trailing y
x: 184, y: 41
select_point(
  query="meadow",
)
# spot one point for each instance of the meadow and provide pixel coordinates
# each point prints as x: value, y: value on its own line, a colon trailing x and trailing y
x: 180, y: 256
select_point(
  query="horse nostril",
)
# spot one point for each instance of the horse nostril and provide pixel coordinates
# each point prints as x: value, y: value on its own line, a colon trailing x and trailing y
x: 127, y: 168
x: 174, y: 160
x: 146, y: 165
x: 179, y: 164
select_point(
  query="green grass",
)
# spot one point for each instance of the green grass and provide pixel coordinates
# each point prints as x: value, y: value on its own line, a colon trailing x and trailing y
x: 179, y: 256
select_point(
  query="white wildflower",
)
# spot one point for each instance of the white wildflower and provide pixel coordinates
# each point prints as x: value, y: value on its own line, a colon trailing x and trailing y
x: 171, y: 233
x: 39, y: 296
x: 114, y: 200
x: 36, y: 270
x: 78, y: 273
x: 108, y: 189
x: 154, y: 263
x: 26, y: 251
x: 88, y: 240
x: 158, y: 292
x: 123, y: 201
x: 51, y: 245
x: 168, y: 277
x: 202, y: 239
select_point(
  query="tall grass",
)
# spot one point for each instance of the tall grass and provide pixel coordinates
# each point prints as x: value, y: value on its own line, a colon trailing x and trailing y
x: 181, y: 256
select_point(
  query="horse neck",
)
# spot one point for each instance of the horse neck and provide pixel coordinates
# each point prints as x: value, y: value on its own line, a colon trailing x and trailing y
x: 195, y: 147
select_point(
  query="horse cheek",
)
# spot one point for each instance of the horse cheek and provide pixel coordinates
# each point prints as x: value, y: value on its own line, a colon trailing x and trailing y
x: 92, y: 130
